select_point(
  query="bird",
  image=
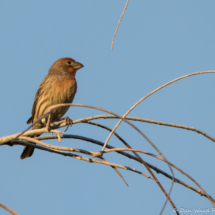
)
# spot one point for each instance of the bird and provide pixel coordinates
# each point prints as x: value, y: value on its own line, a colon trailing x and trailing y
x: 59, y: 86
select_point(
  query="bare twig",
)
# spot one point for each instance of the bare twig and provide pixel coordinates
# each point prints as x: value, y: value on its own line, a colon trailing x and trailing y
x: 168, y: 83
x: 105, y: 127
x: 149, y: 170
x: 131, y: 157
x: 129, y: 147
x: 117, y: 151
x: 8, y: 209
x: 60, y: 124
x: 141, y: 151
x: 15, y: 136
x: 90, y: 160
x: 117, y: 171
x: 31, y: 126
x: 185, y: 76
x: 57, y: 148
x: 118, y: 24
x: 135, y: 119
x: 144, y: 152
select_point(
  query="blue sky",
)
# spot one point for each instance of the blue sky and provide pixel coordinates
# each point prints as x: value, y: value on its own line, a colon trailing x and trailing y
x: 157, y: 41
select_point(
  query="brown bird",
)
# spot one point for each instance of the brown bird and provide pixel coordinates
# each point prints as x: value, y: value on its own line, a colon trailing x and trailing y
x: 59, y: 86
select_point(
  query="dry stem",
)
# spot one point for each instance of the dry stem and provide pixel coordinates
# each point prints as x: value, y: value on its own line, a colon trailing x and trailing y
x: 8, y: 209
x: 149, y: 170
x: 131, y: 157
x: 185, y: 76
x: 168, y: 83
x: 118, y: 24
x: 90, y: 160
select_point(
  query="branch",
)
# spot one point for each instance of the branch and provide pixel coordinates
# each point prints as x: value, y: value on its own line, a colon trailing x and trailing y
x: 62, y: 123
x: 159, y: 171
x: 66, y: 149
x: 133, y: 126
x: 159, y: 88
x: 110, y: 147
x: 18, y: 142
x: 8, y: 209
x: 144, y: 152
x: 141, y: 151
x: 117, y: 171
x: 196, y: 73
x: 118, y: 24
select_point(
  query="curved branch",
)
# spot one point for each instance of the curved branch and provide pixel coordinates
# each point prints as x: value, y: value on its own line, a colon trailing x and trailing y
x: 159, y: 171
x: 67, y: 149
x: 149, y: 94
x: 90, y: 160
x: 118, y: 24
x: 138, y: 130
x: 62, y: 123
x: 8, y: 209
x: 196, y: 73
x: 116, y: 170
x: 147, y: 153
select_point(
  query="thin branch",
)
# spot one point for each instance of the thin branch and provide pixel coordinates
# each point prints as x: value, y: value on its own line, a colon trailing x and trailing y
x: 90, y: 160
x: 61, y: 123
x: 138, y: 130
x: 159, y: 171
x: 192, y: 129
x: 8, y: 209
x: 159, y: 88
x: 109, y: 129
x: 141, y: 151
x: 117, y: 171
x: 30, y: 126
x: 126, y: 144
x: 129, y: 147
x: 144, y: 152
x: 118, y: 24
x: 14, y: 136
x: 57, y: 148
x: 120, y: 152
x: 196, y: 73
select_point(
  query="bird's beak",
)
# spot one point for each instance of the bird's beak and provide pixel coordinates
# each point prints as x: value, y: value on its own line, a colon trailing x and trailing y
x: 77, y: 65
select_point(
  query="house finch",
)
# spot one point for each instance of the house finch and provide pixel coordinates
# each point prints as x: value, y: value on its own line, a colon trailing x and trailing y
x: 59, y: 86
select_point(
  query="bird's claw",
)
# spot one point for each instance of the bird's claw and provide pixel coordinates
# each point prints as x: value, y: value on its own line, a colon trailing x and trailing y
x: 68, y: 122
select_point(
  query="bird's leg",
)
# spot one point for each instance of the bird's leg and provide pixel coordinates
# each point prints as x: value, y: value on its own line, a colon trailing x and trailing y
x: 48, y: 123
x: 48, y: 128
x: 68, y: 122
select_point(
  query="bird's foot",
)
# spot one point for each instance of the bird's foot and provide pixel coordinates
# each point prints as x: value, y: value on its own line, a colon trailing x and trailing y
x: 68, y: 122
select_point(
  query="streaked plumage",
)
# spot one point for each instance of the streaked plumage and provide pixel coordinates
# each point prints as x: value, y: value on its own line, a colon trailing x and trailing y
x: 59, y: 86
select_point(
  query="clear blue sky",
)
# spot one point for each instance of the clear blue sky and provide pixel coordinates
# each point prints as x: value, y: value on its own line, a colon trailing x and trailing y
x: 157, y: 41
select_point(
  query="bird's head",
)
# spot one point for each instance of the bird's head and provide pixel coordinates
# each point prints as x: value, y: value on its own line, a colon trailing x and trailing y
x: 65, y: 66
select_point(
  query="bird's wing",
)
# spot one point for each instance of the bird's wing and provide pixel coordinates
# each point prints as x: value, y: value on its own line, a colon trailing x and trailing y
x: 38, y: 95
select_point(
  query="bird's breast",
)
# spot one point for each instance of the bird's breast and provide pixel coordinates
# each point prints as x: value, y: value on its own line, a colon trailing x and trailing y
x: 64, y: 89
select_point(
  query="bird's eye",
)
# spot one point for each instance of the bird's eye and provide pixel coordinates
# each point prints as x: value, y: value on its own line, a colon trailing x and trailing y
x: 69, y: 62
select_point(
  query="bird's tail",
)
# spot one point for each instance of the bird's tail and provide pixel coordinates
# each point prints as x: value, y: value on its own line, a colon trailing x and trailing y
x: 27, y: 152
